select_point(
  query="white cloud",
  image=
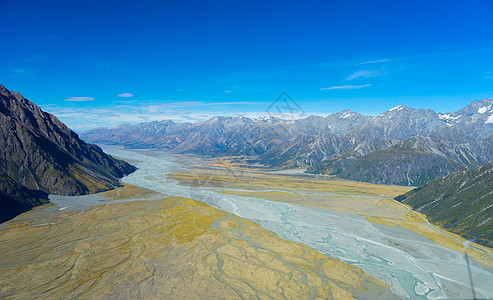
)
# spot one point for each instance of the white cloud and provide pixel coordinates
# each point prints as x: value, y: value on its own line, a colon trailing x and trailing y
x: 126, y: 95
x: 374, y: 61
x: 82, y: 118
x: 79, y: 99
x: 346, y: 87
x: 229, y: 103
x: 227, y: 91
x: 365, y: 74
x: 125, y: 101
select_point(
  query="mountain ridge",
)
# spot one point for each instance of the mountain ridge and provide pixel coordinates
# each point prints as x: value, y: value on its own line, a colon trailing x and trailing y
x: 39, y: 152
x: 461, y: 202
x: 338, y: 144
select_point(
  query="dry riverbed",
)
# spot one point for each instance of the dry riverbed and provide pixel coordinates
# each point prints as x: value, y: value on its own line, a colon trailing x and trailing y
x: 373, y: 201
x: 172, y: 247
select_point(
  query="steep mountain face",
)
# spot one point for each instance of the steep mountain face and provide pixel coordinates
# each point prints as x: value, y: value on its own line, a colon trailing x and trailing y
x: 345, y: 121
x: 459, y: 139
x: 473, y: 122
x: 461, y: 202
x: 416, y: 160
x: 399, y: 123
x: 40, y: 153
x: 16, y: 199
x: 304, y: 150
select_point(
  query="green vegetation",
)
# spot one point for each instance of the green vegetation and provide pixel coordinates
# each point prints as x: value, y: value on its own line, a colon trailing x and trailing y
x: 461, y: 202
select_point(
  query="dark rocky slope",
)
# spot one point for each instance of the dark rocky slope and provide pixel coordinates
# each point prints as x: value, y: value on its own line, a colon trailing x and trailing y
x: 416, y: 160
x: 39, y: 152
x: 461, y: 202
x: 16, y: 199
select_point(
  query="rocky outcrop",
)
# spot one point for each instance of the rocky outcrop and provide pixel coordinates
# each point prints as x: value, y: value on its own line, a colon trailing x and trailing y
x: 16, y: 199
x: 39, y: 152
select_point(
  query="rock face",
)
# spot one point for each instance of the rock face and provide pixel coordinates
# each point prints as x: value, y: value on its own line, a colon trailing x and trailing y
x: 39, y: 152
x: 345, y: 121
x: 399, y: 123
x: 402, y: 146
x: 461, y: 202
x: 15, y: 198
x: 408, y: 146
x: 416, y: 160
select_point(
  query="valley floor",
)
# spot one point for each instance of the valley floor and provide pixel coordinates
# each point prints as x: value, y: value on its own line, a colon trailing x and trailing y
x: 182, y: 227
x: 178, y: 247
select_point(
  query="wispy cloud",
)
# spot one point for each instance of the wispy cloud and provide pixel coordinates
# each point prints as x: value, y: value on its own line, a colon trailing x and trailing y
x: 374, y: 61
x: 230, y: 103
x: 125, y: 95
x: 79, y: 99
x: 227, y: 91
x: 22, y: 72
x: 365, y: 74
x: 125, y: 101
x: 346, y: 87
x: 82, y: 118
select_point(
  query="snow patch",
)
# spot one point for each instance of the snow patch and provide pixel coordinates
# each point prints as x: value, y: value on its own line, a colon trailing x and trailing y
x: 347, y: 115
x: 484, y: 109
x: 490, y: 119
x: 448, y: 117
x: 397, y: 108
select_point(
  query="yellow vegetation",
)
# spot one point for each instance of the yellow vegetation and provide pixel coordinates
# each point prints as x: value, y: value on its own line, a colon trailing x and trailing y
x: 378, y: 205
x: 168, y: 248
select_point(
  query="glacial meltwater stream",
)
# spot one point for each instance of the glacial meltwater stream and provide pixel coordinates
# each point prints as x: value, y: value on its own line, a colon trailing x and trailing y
x: 414, y: 266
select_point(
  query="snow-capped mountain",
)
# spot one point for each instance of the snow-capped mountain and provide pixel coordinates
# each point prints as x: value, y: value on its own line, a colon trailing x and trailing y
x: 402, y: 145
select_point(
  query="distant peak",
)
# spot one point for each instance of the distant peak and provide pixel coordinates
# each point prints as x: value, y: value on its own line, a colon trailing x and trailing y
x: 346, y: 114
x: 217, y: 118
x: 397, y: 108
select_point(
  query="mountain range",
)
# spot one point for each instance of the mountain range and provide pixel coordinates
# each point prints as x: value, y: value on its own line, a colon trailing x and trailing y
x: 41, y: 155
x: 403, y: 145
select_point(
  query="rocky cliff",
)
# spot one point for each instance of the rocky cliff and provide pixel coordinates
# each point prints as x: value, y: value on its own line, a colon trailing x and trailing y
x: 38, y: 152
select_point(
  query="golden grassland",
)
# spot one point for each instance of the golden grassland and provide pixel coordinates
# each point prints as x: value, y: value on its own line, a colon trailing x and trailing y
x: 172, y: 248
x: 262, y: 180
x: 229, y: 163
x: 378, y: 205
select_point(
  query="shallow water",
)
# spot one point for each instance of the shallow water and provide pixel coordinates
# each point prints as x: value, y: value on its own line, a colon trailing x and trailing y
x: 414, y: 266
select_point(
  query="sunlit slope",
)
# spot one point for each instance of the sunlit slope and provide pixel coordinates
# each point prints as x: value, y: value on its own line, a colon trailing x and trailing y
x: 461, y: 202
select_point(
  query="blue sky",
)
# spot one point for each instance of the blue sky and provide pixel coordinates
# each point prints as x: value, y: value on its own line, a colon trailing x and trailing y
x: 100, y: 63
